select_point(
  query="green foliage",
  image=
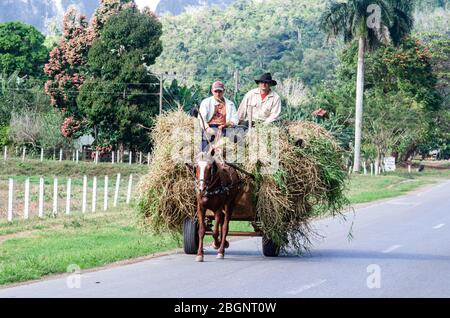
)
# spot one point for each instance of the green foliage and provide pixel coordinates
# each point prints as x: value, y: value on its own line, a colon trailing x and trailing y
x: 279, y: 35
x: 4, y: 132
x: 182, y: 96
x: 120, y: 97
x: 21, y: 49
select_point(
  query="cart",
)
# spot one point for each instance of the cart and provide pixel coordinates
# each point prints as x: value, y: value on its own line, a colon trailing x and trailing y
x: 244, y: 211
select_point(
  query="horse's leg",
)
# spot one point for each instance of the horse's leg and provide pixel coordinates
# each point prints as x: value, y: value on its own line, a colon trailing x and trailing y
x: 217, y: 223
x: 201, y: 212
x: 226, y: 221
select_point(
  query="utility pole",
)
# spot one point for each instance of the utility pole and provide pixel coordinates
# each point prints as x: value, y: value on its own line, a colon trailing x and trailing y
x: 236, y: 82
x: 161, y: 91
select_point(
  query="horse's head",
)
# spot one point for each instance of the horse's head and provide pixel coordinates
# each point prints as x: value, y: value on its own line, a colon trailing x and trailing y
x: 205, y: 169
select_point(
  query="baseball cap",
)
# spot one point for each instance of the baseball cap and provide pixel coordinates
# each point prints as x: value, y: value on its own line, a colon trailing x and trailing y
x: 218, y: 86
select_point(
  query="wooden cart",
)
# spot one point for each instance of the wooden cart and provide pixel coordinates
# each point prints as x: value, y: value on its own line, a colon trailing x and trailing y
x: 244, y: 211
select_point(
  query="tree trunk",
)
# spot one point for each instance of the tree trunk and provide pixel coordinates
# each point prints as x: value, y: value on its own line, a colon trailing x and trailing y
x: 359, y: 104
x: 121, y: 150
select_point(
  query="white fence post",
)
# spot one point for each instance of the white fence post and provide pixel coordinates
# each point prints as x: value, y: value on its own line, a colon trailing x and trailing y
x: 69, y: 190
x: 96, y: 157
x: 83, y: 205
x: 41, y: 197
x: 23, y: 153
x: 112, y: 157
x: 42, y: 154
x: 140, y: 158
x: 129, y: 189
x: 118, y: 156
x: 409, y: 168
x: 148, y: 158
x: 55, y: 196
x: 10, y: 200
x: 27, y: 199
x: 130, y: 157
x: 116, y: 193
x: 76, y: 156
x: 105, y: 194
x: 5, y: 153
x: 94, y: 194
x: 60, y: 154
x: 365, y: 168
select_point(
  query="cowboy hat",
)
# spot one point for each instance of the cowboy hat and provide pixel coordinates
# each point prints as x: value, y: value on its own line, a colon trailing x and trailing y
x: 266, y: 78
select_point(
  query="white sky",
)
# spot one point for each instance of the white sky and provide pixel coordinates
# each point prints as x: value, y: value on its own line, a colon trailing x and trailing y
x: 150, y: 3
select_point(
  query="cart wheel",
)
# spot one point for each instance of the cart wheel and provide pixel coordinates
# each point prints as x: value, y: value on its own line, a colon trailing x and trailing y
x: 190, y: 236
x: 270, y: 249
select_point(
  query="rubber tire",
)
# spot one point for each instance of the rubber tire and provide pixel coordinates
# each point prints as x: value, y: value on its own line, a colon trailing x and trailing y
x: 270, y: 249
x: 190, y: 236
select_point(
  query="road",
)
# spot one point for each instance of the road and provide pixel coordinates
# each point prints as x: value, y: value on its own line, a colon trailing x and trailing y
x: 400, y: 248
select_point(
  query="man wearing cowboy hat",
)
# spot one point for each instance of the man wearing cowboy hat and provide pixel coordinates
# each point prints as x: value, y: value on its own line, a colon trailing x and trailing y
x: 216, y: 113
x: 262, y: 103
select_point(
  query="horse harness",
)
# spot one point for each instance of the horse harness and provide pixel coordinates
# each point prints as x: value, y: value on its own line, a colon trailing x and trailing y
x: 212, y: 189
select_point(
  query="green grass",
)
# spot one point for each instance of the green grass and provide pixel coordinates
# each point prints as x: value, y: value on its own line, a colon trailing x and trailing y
x: 14, y: 167
x: 369, y: 188
x: 50, y: 246
x: 36, y: 248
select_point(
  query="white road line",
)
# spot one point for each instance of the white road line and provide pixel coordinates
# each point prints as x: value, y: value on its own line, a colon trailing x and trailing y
x: 438, y: 226
x: 392, y: 248
x: 306, y: 287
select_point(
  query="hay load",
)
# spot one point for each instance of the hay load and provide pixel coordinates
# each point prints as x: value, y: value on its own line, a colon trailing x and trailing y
x: 308, y: 180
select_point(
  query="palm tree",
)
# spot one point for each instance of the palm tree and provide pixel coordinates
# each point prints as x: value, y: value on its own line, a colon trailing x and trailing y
x: 372, y: 22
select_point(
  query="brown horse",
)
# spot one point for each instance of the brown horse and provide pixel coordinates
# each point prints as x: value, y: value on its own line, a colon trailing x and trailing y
x: 217, y: 186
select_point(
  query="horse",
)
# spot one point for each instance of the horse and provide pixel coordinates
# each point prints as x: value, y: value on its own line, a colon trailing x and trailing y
x: 217, y: 188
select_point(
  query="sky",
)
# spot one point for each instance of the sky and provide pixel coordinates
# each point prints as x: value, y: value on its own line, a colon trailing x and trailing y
x: 150, y: 3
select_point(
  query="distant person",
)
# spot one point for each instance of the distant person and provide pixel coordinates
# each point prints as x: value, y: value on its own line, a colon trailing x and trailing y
x: 216, y: 114
x: 262, y: 103
x: 421, y: 167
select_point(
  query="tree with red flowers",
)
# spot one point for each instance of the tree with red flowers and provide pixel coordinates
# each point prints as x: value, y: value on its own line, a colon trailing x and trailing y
x: 67, y: 63
x: 66, y: 67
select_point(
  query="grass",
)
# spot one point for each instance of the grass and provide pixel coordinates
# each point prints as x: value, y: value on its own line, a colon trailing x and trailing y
x: 364, y: 189
x: 51, y: 246
x: 36, y: 248
x: 15, y: 167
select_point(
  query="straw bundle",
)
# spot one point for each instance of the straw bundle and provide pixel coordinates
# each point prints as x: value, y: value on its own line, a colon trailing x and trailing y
x: 309, y: 180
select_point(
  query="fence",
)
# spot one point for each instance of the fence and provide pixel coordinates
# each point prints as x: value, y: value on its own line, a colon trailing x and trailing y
x: 376, y: 168
x: 86, y: 155
x: 39, y: 196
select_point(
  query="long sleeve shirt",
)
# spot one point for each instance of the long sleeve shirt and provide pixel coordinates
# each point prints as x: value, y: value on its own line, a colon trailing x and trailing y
x: 267, y: 110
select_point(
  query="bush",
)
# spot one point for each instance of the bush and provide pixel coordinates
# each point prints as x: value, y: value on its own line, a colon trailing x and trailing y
x: 4, y: 131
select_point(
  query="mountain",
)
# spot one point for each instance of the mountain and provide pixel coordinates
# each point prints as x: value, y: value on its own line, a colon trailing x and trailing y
x: 42, y: 14
x: 177, y: 7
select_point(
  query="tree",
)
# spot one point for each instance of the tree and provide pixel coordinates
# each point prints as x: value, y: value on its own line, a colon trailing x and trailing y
x: 388, y: 19
x: 21, y: 49
x: 66, y: 67
x: 121, y: 96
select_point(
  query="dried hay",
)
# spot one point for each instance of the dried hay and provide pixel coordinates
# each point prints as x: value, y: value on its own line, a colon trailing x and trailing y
x: 308, y: 181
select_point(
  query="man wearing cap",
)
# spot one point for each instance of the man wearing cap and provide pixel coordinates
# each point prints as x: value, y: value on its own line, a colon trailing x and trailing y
x: 216, y: 113
x: 261, y: 104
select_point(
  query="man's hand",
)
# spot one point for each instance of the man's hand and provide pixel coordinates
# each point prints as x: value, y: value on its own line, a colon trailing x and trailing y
x: 227, y: 125
x: 210, y: 131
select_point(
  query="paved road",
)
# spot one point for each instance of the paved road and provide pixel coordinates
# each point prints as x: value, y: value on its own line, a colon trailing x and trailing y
x: 401, y: 248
